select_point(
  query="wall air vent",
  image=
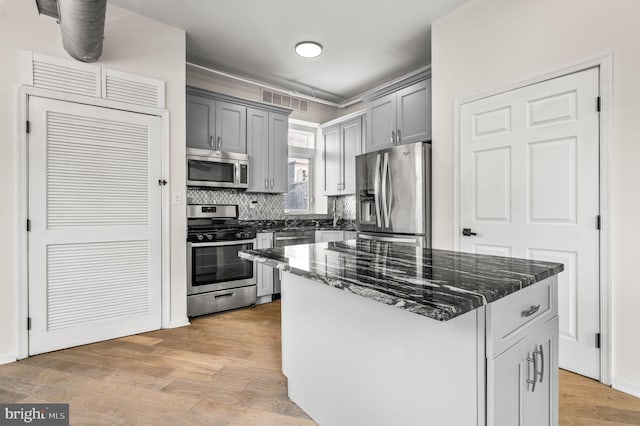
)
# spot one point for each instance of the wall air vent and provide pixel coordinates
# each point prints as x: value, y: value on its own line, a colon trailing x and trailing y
x: 123, y: 87
x: 286, y: 101
x: 79, y: 78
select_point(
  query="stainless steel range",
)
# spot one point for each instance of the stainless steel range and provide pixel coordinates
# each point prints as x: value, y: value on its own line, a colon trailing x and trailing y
x: 217, y: 278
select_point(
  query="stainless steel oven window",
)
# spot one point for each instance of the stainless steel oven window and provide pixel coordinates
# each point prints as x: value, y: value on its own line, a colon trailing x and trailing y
x: 216, y: 266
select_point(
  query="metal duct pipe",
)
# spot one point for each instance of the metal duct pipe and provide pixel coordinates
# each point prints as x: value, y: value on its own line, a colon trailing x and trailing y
x: 82, y: 26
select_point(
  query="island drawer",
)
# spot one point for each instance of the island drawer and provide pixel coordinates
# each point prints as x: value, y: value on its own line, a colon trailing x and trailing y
x: 511, y: 318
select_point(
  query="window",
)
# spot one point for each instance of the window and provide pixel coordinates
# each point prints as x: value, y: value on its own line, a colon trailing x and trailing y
x: 299, y: 198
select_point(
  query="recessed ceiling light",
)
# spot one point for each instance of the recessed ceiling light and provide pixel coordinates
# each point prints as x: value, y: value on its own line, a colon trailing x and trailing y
x: 308, y: 49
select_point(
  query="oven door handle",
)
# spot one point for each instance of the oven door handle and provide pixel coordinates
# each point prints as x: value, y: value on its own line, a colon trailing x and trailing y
x: 222, y: 243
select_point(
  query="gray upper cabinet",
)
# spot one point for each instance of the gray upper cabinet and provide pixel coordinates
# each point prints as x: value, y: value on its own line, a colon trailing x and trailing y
x: 381, y: 118
x: 225, y: 123
x: 400, y: 117
x: 278, y: 152
x: 342, y: 142
x: 332, y: 160
x: 258, y: 149
x: 414, y: 113
x: 351, y: 134
x: 200, y: 122
x: 231, y: 127
x: 267, y: 146
x: 215, y: 123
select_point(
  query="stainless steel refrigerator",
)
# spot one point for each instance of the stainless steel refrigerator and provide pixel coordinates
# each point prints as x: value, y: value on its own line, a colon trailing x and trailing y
x: 393, y: 194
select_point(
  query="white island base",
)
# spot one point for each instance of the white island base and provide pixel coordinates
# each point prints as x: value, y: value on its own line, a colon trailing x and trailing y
x: 354, y: 361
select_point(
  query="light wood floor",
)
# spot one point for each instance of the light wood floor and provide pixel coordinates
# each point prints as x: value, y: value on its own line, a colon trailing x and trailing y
x: 222, y: 370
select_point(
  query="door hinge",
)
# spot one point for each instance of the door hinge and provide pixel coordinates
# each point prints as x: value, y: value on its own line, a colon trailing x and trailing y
x: 29, y: 323
x: 598, y: 340
x: 162, y: 182
x: 598, y: 104
x: 28, y: 225
x: 28, y: 126
x: 598, y: 224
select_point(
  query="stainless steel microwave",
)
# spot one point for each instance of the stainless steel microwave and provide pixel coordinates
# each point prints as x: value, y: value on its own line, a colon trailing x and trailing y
x: 217, y: 169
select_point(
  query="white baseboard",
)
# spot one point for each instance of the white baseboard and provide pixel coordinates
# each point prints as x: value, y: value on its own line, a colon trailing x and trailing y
x: 626, y: 386
x: 179, y: 323
x: 8, y: 358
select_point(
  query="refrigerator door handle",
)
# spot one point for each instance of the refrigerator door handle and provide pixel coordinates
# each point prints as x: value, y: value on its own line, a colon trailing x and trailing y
x: 385, y: 207
x: 389, y: 186
x: 376, y: 190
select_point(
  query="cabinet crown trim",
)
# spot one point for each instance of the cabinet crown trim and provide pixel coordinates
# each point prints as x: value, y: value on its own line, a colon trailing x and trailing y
x: 239, y: 101
x: 344, y: 118
x: 394, y: 87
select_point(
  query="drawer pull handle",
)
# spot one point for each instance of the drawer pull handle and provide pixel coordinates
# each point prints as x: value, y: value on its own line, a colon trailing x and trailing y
x: 532, y: 310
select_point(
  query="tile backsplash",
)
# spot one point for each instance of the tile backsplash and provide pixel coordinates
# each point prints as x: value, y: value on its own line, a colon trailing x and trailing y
x: 268, y: 206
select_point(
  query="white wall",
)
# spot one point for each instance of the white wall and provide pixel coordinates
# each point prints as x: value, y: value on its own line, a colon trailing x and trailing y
x: 488, y: 44
x: 133, y: 44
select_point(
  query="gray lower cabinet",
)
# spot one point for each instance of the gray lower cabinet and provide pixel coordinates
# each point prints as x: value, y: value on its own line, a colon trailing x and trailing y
x: 267, y: 146
x: 521, y: 382
x: 342, y: 142
x: 327, y: 236
x: 264, y: 274
x: 522, y: 357
x: 400, y: 117
x: 350, y: 235
x: 215, y: 124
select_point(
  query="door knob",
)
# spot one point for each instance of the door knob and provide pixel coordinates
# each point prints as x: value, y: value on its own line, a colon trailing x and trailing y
x: 467, y: 232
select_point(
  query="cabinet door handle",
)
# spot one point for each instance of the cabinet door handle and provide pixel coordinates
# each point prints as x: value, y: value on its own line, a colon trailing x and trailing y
x: 266, y: 183
x: 532, y: 310
x: 219, y: 142
x: 539, y: 351
x: 531, y: 358
x: 398, y: 136
x: 272, y: 183
x: 211, y: 141
x: 393, y: 137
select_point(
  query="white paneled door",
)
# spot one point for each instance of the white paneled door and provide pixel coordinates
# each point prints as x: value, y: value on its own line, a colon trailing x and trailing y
x: 95, y: 213
x: 529, y: 188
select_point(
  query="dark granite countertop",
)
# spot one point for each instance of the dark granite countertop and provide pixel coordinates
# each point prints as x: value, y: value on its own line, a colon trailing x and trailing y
x: 299, y: 225
x: 438, y: 284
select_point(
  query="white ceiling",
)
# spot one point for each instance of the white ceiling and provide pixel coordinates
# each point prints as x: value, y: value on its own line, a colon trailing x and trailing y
x: 366, y: 42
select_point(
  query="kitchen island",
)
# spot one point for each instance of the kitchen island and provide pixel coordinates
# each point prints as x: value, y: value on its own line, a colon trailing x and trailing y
x: 384, y: 334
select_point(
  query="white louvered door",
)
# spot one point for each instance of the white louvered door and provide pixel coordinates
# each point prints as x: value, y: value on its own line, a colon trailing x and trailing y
x: 95, y: 211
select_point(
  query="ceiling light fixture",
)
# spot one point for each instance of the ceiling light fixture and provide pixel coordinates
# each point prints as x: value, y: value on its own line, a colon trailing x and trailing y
x: 308, y: 49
